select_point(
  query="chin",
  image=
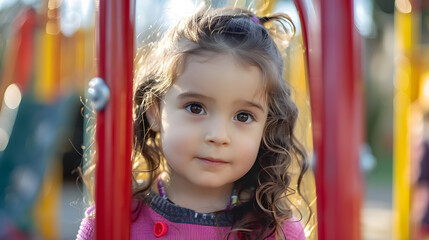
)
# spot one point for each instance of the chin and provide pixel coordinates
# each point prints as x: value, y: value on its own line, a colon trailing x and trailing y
x: 212, y: 184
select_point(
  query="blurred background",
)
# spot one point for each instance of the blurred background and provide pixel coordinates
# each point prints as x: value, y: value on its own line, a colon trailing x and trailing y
x: 47, y: 57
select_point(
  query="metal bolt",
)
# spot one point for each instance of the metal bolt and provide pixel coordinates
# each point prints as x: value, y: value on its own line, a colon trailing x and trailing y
x: 98, y: 93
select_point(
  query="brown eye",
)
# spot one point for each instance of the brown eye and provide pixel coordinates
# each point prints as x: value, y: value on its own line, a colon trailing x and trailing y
x: 195, y: 109
x: 243, y: 117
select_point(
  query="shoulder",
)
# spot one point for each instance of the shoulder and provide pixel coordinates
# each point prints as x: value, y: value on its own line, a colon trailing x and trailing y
x: 87, y: 226
x: 86, y: 229
x: 293, y: 229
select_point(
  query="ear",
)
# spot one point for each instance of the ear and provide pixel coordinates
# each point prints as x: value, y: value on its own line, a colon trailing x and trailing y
x: 154, y: 117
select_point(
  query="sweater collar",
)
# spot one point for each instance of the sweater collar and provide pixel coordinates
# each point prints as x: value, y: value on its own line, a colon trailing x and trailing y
x: 178, y: 214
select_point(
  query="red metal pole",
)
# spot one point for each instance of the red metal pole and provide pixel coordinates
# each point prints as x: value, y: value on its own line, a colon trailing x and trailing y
x: 338, y: 172
x: 336, y: 103
x: 115, y: 52
x: 310, y: 25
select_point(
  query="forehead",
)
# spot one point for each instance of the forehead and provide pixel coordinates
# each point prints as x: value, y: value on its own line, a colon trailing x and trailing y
x: 221, y: 74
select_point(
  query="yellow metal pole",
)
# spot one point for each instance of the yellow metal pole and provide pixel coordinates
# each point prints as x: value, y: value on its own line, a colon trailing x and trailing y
x: 296, y: 74
x: 47, y: 68
x: 405, y: 37
x: 48, y: 202
x: 48, y: 61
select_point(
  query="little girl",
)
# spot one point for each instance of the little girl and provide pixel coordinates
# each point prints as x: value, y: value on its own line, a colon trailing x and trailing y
x: 213, y: 130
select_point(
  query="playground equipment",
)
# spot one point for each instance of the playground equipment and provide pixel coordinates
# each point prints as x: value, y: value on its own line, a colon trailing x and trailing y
x: 411, y: 83
x: 326, y: 64
x: 337, y: 123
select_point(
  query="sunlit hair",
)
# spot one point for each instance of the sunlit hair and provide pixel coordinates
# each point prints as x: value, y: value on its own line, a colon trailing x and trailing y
x: 241, y: 34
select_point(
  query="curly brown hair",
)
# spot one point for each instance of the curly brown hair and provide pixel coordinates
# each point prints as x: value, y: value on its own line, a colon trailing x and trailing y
x: 240, y: 33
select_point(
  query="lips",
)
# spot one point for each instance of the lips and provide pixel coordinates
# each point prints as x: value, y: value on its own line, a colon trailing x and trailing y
x: 213, y: 161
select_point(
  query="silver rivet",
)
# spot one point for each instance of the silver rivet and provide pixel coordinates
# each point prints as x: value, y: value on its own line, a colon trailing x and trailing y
x: 98, y: 93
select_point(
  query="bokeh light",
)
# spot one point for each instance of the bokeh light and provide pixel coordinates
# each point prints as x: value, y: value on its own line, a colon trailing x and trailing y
x: 12, y: 96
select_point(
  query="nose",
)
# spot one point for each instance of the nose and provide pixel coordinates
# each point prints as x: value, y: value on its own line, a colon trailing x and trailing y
x: 217, y: 132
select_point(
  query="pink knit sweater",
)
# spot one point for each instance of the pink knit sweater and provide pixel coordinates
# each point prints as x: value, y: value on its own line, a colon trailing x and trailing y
x: 155, y: 222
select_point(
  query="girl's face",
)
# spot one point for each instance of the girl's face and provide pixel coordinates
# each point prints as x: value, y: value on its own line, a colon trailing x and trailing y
x: 212, y: 120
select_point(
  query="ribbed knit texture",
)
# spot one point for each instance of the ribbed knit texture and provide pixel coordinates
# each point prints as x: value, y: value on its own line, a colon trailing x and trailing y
x: 178, y: 214
x: 86, y: 229
x: 182, y: 223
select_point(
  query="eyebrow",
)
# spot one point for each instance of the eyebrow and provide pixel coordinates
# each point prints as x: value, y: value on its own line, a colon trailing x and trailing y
x: 186, y: 95
x: 194, y: 95
x: 253, y: 104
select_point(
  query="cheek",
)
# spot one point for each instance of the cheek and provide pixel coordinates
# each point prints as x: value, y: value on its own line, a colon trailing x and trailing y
x: 177, y: 139
x: 251, y: 151
x: 248, y: 151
